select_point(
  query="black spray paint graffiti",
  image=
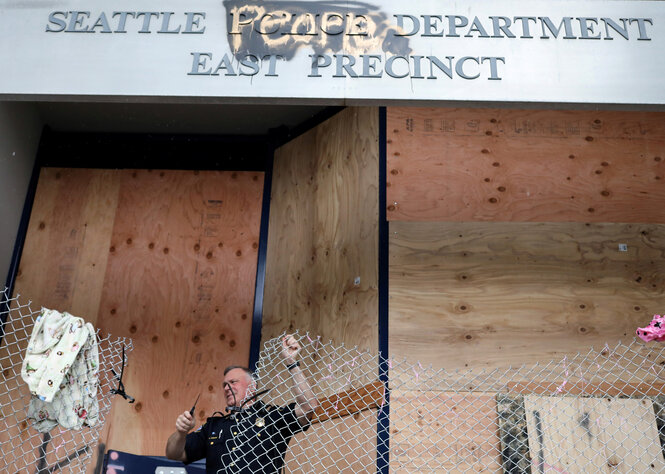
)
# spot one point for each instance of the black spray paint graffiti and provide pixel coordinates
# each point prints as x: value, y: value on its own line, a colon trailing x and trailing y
x: 281, y: 28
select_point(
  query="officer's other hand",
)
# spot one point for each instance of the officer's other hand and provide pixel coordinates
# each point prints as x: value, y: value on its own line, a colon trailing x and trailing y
x: 185, y: 422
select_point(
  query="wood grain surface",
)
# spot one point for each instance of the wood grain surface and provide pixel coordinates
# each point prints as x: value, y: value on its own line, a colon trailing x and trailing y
x: 167, y: 258
x: 180, y: 282
x: 444, y: 432
x: 571, y: 434
x: 482, y: 295
x: 450, y: 164
x: 322, y: 270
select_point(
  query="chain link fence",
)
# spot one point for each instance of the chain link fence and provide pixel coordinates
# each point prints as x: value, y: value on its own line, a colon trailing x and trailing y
x: 23, y: 447
x: 599, y: 411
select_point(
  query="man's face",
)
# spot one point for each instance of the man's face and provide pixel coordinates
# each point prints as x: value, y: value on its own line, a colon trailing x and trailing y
x: 237, y: 383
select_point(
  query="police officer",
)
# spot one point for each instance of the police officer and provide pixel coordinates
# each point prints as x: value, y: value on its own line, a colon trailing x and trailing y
x: 254, y: 436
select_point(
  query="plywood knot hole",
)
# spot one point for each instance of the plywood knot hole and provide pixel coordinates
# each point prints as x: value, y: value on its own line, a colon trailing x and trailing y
x: 572, y: 157
x: 599, y: 171
x: 657, y: 178
x: 112, y: 310
x: 612, y: 463
x: 178, y: 324
x: 484, y: 151
x: 496, y: 164
x: 232, y: 343
x: 154, y: 339
x: 501, y: 189
x: 394, y: 172
x: 488, y: 133
x: 493, y: 200
x: 582, y: 306
x: 165, y: 394
x: 42, y: 225
x: 636, y: 308
x: 151, y: 245
x: 487, y: 180
x: 604, y: 163
x: 209, y: 255
x: 591, y: 209
x: 463, y: 277
x: 129, y: 241
x: 132, y: 329
x: 202, y: 414
x: 605, y: 192
x: 588, y: 138
x: 395, y: 130
x: 138, y: 407
x: 493, y: 120
x: 243, y: 316
x: 166, y: 250
x: 567, y: 178
x: 196, y: 247
x: 391, y: 208
x: 255, y: 245
x: 463, y: 307
x: 222, y: 337
x: 255, y: 178
x: 220, y: 245
x: 210, y: 388
x: 582, y: 329
x: 468, y: 337
x: 112, y: 249
x: 238, y: 253
x: 657, y: 158
x: 196, y: 339
x: 638, y: 279
x: 216, y: 310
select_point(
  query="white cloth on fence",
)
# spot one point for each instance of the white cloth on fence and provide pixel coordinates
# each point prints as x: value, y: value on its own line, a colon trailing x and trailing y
x: 61, y: 368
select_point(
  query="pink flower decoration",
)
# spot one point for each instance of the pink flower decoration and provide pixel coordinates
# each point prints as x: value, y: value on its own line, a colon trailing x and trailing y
x: 655, y: 331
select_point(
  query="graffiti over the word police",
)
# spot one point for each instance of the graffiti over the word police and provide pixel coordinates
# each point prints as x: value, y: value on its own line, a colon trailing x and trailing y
x: 283, y: 27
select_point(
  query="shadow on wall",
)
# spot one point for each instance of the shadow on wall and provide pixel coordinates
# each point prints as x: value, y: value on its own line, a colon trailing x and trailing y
x: 283, y: 27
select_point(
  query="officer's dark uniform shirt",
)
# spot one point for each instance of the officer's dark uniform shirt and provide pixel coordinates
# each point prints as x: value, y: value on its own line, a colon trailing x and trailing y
x: 253, y: 441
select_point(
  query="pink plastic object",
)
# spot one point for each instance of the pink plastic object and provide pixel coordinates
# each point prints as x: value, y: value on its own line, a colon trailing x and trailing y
x: 655, y: 331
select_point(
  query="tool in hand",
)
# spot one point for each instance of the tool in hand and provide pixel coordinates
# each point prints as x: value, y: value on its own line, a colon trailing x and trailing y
x: 191, y: 412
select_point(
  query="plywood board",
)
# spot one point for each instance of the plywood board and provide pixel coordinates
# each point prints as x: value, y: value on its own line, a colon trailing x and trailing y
x: 471, y: 295
x: 167, y: 258
x: 569, y: 434
x: 451, y: 164
x: 322, y: 270
x: 62, y: 267
x: 444, y: 432
x: 341, y: 445
x: 65, y: 254
x: 180, y: 282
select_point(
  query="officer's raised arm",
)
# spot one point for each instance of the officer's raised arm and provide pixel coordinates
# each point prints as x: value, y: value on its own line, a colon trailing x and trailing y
x: 306, y: 401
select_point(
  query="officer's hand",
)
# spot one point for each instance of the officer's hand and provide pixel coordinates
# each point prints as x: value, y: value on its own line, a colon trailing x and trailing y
x: 290, y: 349
x: 185, y: 422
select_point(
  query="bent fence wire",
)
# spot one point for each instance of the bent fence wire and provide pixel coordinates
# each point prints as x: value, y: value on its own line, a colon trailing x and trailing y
x: 22, y: 447
x: 599, y: 411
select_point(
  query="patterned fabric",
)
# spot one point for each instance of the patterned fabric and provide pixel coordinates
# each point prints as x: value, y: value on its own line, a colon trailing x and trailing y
x: 61, y: 365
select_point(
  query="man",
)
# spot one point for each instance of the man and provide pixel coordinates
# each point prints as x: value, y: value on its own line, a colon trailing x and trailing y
x: 253, y: 437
